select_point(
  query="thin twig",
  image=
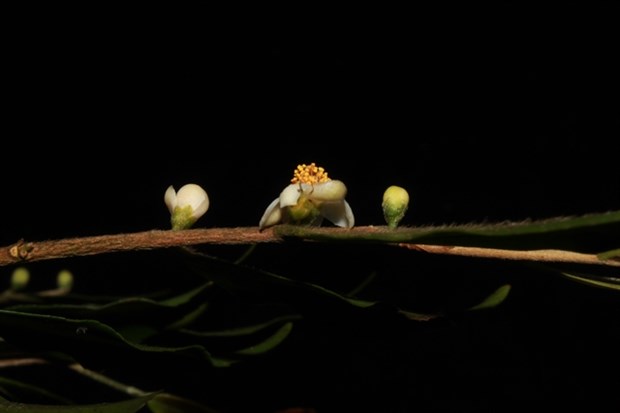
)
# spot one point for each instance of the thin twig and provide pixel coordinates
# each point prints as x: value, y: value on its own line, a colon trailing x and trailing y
x: 24, y: 251
x: 78, y: 368
x: 21, y: 361
x: 546, y: 255
x: 98, y: 377
x: 129, y: 390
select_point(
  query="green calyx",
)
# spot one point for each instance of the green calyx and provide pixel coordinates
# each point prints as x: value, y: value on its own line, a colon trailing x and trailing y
x: 305, y: 212
x: 182, y: 218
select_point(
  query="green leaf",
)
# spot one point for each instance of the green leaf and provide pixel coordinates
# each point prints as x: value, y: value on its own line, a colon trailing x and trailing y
x: 127, y: 311
x: 264, y: 285
x: 245, y: 340
x: 244, y: 330
x: 362, y: 285
x: 493, y: 300
x: 31, y: 390
x: 270, y: 343
x: 125, y: 406
x: 185, y: 298
x: 558, y: 232
x: 609, y: 255
x: 188, y: 318
x: 136, y: 318
x: 88, y: 338
x: 610, y: 283
x: 254, y: 282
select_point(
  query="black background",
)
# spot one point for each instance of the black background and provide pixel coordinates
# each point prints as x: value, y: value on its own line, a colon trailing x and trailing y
x: 498, y: 114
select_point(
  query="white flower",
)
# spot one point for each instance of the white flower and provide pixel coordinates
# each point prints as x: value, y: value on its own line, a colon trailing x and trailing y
x: 310, y: 197
x: 187, y: 205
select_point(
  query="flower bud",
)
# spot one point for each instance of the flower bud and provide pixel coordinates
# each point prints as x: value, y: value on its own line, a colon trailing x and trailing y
x: 64, y: 280
x: 186, y: 206
x: 395, y: 204
x: 20, y: 278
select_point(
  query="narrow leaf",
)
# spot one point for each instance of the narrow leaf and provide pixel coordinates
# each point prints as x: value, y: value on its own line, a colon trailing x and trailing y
x: 610, y: 255
x: 610, y: 283
x: 242, y: 331
x: 125, y: 406
x: 260, y: 283
x: 32, y: 390
x: 124, y: 309
x: 86, y: 337
x: 274, y: 340
x: 263, y: 285
x: 493, y: 300
x: 557, y: 232
x: 128, y: 311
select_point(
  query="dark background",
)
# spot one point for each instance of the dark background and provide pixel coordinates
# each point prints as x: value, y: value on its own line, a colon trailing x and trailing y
x: 482, y: 117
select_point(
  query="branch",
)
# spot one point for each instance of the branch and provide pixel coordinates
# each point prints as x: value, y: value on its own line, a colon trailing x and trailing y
x: 24, y: 251
x: 556, y: 256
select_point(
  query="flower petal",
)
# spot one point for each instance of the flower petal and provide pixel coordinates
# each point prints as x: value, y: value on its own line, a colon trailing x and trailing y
x: 329, y: 191
x: 195, y: 197
x: 339, y: 213
x: 201, y: 208
x: 271, y: 216
x: 170, y: 198
x: 289, y: 195
x: 348, y: 212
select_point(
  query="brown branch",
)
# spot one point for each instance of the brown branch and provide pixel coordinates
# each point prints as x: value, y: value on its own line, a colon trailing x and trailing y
x: 24, y: 251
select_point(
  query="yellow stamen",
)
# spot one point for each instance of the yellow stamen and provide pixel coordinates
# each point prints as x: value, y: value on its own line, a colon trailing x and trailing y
x: 309, y: 174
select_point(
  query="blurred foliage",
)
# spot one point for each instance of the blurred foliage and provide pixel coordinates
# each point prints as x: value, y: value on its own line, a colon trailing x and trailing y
x: 170, y: 332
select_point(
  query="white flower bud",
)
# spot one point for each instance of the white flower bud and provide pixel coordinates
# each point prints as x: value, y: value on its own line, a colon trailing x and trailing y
x: 186, y: 206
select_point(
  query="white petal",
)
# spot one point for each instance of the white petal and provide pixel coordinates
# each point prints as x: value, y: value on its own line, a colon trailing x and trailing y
x: 170, y: 198
x: 307, y: 189
x: 272, y: 215
x: 350, y: 218
x: 202, y: 207
x: 192, y: 195
x: 339, y: 213
x: 329, y: 191
x: 289, y: 195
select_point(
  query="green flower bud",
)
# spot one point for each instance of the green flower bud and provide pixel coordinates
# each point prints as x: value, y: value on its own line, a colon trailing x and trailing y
x: 64, y: 280
x: 395, y: 205
x: 20, y: 278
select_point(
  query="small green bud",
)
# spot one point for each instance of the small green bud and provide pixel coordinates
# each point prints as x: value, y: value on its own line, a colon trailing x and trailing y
x: 20, y: 278
x: 64, y: 280
x: 395, y: 204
